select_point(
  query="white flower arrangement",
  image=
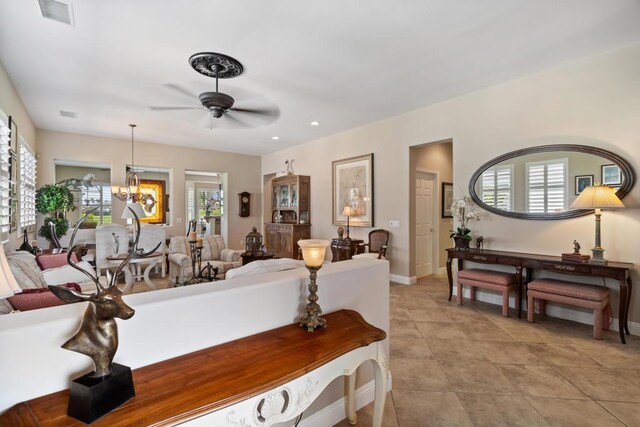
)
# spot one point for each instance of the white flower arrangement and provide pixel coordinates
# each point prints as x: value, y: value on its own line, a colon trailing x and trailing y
x: 464, y: 212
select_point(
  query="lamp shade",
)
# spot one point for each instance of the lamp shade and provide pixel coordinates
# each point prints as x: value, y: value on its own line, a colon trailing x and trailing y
x: 313, y: 251
x: 8, y: 284
x: 597, y: 197
x: 137, y: 208
x: 348, y: 211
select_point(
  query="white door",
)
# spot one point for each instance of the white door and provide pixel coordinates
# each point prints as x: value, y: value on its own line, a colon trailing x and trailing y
x: 425, y: 184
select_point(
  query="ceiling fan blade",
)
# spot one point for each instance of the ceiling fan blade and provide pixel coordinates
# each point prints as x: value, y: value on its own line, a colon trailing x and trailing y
x: 271, y: 112
x: 154, y: 108
x: 181, y: 90
x: 236, y: 123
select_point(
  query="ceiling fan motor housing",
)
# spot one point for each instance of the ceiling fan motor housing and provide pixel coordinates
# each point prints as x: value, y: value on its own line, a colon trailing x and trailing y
x: 217, y: 103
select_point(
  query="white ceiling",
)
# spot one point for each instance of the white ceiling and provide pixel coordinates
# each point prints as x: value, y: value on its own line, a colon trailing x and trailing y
x: 343, y: 63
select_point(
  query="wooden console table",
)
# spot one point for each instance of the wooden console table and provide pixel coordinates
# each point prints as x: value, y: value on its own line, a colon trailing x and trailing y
x: 344, y: 249
x: 258, y: 380
x: 619, y: 271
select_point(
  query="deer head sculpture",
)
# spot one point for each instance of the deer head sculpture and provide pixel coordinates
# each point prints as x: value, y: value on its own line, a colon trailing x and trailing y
x: 97, y: 336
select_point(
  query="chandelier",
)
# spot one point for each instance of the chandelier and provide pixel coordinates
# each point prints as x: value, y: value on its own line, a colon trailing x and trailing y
x: 131, y: 193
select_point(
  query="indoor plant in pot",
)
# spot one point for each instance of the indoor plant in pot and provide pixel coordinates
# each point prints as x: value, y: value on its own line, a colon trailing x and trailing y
x: 54, y: 201
x: 464, y: 212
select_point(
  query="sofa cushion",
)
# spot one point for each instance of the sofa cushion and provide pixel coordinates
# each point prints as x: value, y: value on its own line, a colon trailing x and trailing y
x: 490, y: 276
x: 66, y: 274
x: 569, y: 289
x: 25, y: 270
x: 32, y: 299
x: 47, y: 261
x: 266, y: 266
x: 5, y: 306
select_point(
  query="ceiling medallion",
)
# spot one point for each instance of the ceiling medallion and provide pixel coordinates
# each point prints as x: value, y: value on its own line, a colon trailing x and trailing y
x: 212, y: 64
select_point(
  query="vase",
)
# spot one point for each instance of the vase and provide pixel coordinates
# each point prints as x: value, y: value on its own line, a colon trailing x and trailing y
x: 461, y: 243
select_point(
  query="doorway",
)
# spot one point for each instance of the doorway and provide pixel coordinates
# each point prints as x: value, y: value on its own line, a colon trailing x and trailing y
x: 425, y: 195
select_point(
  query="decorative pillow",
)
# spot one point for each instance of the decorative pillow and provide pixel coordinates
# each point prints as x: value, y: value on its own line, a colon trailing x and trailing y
x: 66, y: 274
x: 25, y: 270
x: 5, y: 307
x: 32, y: 299
x: 47, y: 261
x: 266, y: 266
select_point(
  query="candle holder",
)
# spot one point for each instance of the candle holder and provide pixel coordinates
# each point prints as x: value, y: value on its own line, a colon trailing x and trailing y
x: 313, y: 253
x: 199, y: 274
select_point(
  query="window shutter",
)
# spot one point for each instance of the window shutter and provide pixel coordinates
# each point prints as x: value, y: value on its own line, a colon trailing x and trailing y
x: 547, y: 186
x: 28, y: 171
x: 5, y: 181
x: 497, y: 187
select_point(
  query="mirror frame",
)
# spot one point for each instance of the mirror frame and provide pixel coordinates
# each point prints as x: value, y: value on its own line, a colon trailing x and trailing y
x: 625, y: 167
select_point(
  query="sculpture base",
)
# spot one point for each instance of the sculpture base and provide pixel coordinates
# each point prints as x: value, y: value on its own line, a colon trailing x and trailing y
x: 91, y: 398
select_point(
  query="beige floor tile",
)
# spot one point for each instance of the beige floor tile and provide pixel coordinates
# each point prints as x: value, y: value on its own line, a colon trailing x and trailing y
x: 429, y: 315
x: 464, y: 314
x: 455, y: 349
x: 427, y: 408
x: 578, y: 413
x: 409, y: 347
x: 628, y: 413
x: 610, y: 355
x: 365, y: 415
x: 512, y: 353
x: 399, y: 328
x: 602, y: 383
x: 540, y: 381
x: 485, y: 331
x: 418, y: 374
x: 399, y: 314
x: 500, y: 410
x: 475, y: 377
x: 560, y: 355
x: 441, y: 330
x: 526, y: 332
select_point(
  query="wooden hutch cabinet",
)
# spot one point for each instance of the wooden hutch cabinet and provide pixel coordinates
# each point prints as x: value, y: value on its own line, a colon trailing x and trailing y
x: 290, y: 215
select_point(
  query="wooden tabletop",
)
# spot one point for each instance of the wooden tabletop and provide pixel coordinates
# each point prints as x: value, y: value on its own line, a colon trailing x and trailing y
x: 194, y: 384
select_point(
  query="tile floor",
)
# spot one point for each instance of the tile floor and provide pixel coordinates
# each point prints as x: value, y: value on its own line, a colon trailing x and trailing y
x: 469, y: 366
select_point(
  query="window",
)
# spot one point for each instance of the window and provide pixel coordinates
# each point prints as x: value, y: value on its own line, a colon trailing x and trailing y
x: 497, y: 187
x: 27, y: 187
x: 5, y: 179
x: 98, y: 195
x: 547, y: 186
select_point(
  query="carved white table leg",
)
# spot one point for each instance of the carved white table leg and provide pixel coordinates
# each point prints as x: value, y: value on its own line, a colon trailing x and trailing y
x: 146, y: 277
x: 128, y: 279
x: 381, y: 372
x: 351, y: 396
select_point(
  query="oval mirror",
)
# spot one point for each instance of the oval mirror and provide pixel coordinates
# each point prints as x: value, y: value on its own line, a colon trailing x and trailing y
x: 542, y: 182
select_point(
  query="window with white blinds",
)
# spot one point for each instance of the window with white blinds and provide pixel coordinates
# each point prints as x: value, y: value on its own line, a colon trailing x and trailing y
x: 191, y: 203
x: 497, y: 187
x: 27, y: 187
x: 547, y: 186
x: 5, y: 179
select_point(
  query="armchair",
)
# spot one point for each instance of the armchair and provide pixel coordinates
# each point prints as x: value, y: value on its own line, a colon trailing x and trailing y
x: 377, y: 245
x: 214, y: 252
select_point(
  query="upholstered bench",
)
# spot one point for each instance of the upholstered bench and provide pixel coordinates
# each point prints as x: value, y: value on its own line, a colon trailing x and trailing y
x: 488, y: 279
x: 592, y: 297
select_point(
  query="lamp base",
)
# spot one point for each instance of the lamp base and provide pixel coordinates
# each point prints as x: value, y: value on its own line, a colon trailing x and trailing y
x: 311, y: 318
x: 598, y: 257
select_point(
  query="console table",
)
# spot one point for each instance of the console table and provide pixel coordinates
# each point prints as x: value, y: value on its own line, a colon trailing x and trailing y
x: 620, y: 271
x: 260, y: 380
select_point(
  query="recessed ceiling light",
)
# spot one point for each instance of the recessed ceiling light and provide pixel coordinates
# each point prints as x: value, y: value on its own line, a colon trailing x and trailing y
x: 315, y: 123
x: 275, y: 138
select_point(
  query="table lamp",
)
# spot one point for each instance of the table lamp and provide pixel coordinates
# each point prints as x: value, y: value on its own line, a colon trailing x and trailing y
x: 8, y: 284
x: 597, y: 197
x: 348, y: 211
x: 313, y: 254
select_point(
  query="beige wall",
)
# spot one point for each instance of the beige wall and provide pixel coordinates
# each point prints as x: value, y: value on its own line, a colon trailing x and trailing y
x: 243, y: 173
x: 12, y: 106
x: 436, y: 157
x: 594, y: 102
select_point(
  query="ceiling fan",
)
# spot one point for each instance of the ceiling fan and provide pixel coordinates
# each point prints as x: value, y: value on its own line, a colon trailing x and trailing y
x: 219, y: 104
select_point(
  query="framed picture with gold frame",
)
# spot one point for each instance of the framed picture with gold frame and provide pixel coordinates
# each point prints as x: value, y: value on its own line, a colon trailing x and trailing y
x: 155, y: 213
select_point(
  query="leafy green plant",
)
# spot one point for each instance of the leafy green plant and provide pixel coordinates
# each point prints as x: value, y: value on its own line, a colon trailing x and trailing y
x: 52, y: 199
x: 62, y: 226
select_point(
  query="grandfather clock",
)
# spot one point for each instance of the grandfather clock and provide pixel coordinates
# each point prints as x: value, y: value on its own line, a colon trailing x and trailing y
x: 245, y: 203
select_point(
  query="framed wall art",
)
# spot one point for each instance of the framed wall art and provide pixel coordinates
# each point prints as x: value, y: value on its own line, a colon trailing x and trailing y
x: 447, y: 199
x: 582, y: 182
x: 611, y: 175
x: 353, y: 187
x: 156, y: 212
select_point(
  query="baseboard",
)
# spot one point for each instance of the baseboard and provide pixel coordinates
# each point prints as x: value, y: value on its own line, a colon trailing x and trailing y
x: 403, y: 280
x: 442, y: 270
x: 552, y: 310
x: 334, y: 413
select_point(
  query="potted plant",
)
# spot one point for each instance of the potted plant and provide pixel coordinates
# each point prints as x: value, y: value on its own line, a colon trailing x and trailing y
x: 464, y: 213
x: 54, y: 201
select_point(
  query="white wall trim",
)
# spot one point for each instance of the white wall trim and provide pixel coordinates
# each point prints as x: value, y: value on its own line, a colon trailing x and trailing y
x: 403, y: 280
x: 334, y: 413
x: 552, y: 310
